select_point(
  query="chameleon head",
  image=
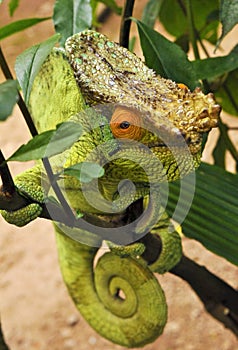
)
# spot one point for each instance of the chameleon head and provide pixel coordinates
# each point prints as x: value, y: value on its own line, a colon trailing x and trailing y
x: 152, y: 110
x: 174, y: 137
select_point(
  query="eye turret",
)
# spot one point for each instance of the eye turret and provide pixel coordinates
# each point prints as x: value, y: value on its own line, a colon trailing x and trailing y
x: 126, y: 123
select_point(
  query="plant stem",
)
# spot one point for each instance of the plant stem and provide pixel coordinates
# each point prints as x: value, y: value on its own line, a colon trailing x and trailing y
x: 25, y: 112
x: 229, y: 145
x: 192, y: 30
x: 3, y: 345
x: 229, y: 94
x: 7, y: 181
x: 58, y: 192
x: 126, y: 23
x: 8, y: 75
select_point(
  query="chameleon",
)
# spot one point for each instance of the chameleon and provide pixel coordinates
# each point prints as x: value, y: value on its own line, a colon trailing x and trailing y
x: 143, y: 130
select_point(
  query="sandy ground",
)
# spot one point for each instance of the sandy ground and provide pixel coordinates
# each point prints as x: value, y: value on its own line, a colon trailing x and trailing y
x: 36, y: 311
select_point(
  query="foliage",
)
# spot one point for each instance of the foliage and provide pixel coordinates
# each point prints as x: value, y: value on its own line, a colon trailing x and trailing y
x: 78, y: 11
x: 60, y: 139
x: 8, y: 98
x: 31, y: 60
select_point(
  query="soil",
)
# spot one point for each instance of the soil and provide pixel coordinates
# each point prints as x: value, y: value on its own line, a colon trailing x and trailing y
x: 36, y: 310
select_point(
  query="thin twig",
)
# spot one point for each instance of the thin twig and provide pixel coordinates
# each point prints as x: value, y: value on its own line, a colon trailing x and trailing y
x: 8, y: 75
x: 26, y: 114
x: 126, y: 23
x: 219, y: 299
x: 229, y: 144
x: 58, y: 192
x: 3, y: 345
x: 7, y: 181
x: 229, y: 94
x: 191, y: 27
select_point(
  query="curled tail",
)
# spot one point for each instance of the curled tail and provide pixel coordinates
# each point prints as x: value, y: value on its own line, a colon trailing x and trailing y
x: 119, y: 298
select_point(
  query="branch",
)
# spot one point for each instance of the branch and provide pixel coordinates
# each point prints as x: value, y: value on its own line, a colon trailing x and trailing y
x: 3, y: 345
x: 27, y: 116
x: 8, y: 75
x: 219, y: 298
x: 7, y: 181
x: 192, y: 29
x: 126, y: 23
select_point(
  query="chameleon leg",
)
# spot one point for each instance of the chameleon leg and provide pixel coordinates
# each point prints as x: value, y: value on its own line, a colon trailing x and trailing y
x: 133, y: 319
x: 28, y: 183
x: 171, y: 248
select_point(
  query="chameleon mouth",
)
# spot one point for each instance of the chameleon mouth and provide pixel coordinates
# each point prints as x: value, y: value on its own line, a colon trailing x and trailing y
x: 184, y: 140
x: 173, y: 137
x: 156, y: 144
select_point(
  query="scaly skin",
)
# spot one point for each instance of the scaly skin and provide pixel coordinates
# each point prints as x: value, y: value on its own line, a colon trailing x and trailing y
x: 148, y: 149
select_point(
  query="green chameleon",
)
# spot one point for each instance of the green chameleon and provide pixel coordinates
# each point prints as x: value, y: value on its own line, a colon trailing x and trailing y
x: 143, y: 130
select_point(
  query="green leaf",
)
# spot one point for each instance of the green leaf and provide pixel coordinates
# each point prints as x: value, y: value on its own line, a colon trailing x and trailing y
x: 13, y: 5
x: 223, y: 128
x: 165, y: 57
x: 29, y: 62
x: 8, y: 98
x: 85, y: 171
x: 219, y: 152
x: 71, y: 17
x: 132, y: 43
x: 183, y: 42
x: 211, y: 68
x: 151, y: 12
x: 17, y: 26
x: 34, y: 149
x: 228, y: 16
x: 174, y: 19
x: 112, y: 5
x: 210, y: 30
x: 49, y: 143
x: 212, y: 219
x: 204, y: 13
x: 227, y: 96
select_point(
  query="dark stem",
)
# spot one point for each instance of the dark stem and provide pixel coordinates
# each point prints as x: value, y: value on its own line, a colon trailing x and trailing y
x: 192, y: 29
x: 3, y: 345
x: 10, y: 199
x: 229, y: 94
x: 6, y: 71
x: 7, y: 181
x: 25, y: 112
x: 8, y: 75
x: 58, y: 193
x: 126, y: 23
x: 226, y: 139
x: 183, y: 8
x: 104, y: 15
x: 194, y: 35
x: 219, y: 298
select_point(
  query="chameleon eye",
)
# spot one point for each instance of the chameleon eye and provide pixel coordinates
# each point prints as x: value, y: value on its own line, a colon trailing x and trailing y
x: 126, y: 123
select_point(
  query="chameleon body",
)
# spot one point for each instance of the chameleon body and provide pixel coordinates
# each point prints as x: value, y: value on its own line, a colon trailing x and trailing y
x: 150, y: 131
